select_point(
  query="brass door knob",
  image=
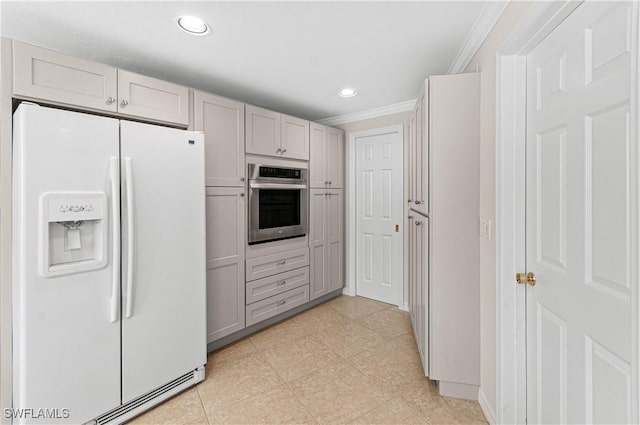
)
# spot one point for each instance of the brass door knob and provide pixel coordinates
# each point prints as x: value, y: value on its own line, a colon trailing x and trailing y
x: 529, y: 278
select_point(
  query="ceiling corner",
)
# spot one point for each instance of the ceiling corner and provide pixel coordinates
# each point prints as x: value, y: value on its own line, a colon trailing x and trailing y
x: 478, y: 33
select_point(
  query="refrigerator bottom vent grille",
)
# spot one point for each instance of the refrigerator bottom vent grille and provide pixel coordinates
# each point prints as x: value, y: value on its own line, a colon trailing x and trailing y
x: 113, y: 415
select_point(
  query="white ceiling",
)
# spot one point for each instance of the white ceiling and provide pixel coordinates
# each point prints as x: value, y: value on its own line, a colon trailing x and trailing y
x: 289, y: 56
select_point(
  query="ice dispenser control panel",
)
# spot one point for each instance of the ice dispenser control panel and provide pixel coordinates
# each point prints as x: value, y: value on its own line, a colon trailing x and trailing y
x: 73, y: 230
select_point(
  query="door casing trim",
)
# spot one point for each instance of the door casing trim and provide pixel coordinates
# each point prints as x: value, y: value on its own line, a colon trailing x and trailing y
x: 538, y: 22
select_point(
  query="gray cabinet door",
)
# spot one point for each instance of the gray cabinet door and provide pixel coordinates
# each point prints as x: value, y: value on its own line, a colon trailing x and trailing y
x: 317, y: 242
x: 225, y: 261
x: 317, y: 157
x: 334, y: 245
x: 158, y: 100
x: 263, y: 131
x: 334, y: 154
x: 294, y: 138
x: 222, y: 121
x: 44, y: 74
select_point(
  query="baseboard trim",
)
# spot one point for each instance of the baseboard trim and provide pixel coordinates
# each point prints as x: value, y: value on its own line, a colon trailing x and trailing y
x: 455, y: 389
x: 486, y: 407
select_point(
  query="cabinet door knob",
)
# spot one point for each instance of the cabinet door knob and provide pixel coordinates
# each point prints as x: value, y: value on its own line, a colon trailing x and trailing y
x: 418, y: 202
x: 242, y: 195
x: 418, y: 223
x: 330, y: 182
x: 284, y: 150
x: 410, y: 200
x: 124, y: 103
x: 110, y: 100
x: 283, y: 302
x: 278, y: 150
x: 241, y: 179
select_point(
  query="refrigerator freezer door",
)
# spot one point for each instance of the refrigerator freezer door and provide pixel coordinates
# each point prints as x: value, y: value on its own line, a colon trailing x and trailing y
x: 163, y: 253
x: 66, y: 349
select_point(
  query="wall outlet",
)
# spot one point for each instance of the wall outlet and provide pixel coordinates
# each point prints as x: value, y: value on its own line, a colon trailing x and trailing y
x: 485, y: 228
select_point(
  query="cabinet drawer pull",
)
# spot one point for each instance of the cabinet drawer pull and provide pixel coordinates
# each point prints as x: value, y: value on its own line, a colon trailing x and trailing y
x: 124, y: 103
x: 242, y: 195
x: 283, y: 302
x: 278, y: 150
x: 284, y: 150
x: 282, y: 283
x: 282, y: 262
x: 418, y: 202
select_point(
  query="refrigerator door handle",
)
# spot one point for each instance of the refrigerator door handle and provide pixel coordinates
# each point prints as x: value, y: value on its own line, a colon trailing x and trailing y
x: 115, y: 217
x: 130, y: 199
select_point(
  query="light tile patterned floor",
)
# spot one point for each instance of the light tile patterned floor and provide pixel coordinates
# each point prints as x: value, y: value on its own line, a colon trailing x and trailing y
x: 349, y: 361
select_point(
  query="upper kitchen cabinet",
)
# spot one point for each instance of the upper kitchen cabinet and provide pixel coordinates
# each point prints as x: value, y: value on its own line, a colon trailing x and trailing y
x: 326, y: 163
x: 43, y: 74
x: 273, y: 134
x: 222, y: 121
x: 294, y: 138
x: 146, y: 97
x: 419, y: 153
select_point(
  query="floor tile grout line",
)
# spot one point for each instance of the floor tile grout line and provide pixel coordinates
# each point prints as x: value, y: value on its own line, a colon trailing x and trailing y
x: 204, y: 409
x: 302, y: 403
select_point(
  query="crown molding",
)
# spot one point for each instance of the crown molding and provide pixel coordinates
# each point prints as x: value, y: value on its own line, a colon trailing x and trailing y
x: 369, y: 113
x: 478, y: 33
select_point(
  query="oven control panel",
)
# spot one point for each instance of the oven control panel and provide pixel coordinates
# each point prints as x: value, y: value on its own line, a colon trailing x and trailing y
x: 280, y: 173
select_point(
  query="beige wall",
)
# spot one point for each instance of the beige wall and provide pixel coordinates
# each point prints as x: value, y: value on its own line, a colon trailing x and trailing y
x: 485, y: 59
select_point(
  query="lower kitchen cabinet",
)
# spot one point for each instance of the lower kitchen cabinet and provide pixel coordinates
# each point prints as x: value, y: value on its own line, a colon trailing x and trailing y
x: 272, y: 306
x: 326, y: 241
x: 418, y: 227
x: 225, y: 207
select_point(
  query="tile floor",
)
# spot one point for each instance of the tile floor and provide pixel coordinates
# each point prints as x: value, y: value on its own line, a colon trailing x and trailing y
x: 348, y: 361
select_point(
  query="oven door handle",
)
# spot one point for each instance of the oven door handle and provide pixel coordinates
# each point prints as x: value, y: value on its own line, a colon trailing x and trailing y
x: 277, y: 186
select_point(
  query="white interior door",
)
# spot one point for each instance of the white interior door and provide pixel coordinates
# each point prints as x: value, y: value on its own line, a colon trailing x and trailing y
x: 379, y: 215
x: 164, y: 302
x: 581, y: 235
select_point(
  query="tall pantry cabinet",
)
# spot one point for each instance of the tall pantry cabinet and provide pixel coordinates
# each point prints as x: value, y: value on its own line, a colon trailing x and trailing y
x: 222, y: 121
x: 442, y: 231
x: 326, y: 218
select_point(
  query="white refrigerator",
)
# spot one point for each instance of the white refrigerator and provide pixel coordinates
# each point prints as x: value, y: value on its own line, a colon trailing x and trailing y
x: 109, y: 266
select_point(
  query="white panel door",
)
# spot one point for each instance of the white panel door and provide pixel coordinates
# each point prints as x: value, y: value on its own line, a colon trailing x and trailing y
x: 378, y: 211
x: 582, y: 218
x: 66, y: 334
x: 164, y: 302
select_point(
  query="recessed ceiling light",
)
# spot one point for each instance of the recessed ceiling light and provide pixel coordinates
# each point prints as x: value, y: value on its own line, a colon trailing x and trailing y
x: 192, y: 25
x: 348, y: 92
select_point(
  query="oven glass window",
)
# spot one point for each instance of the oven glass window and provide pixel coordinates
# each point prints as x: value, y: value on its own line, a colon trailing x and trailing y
x: 279, y: 208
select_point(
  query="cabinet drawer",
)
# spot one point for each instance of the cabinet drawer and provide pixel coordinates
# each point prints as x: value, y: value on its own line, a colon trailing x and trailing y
x: 269, y: 286
x: 146, y: 97
x: 269, y: 265
x: 277, y: 304
x: 44, y: 74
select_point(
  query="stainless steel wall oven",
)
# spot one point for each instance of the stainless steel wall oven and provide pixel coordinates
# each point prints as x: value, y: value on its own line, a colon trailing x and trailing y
x: 278, y: 203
